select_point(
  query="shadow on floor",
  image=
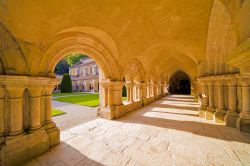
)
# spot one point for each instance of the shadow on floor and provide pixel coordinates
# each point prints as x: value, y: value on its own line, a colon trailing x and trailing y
x: 180, y: 107
x: 196, y: 127
x: 165, y: 112
x: 63, y: 154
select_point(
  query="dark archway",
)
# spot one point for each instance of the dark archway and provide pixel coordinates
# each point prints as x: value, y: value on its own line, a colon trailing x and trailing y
x: 180, y: 83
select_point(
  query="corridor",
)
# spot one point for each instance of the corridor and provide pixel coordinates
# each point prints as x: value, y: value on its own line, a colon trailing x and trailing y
x: 165, y: 132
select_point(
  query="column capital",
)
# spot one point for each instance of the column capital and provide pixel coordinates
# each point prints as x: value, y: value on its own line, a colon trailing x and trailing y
x: 35, y: 91
x: 231, y: 82
x: 47, y: 91
x: 2, y: 92
x: 244, y: 81
x: 112, y: 85
x: 15, y: 92
x: 219, y: 83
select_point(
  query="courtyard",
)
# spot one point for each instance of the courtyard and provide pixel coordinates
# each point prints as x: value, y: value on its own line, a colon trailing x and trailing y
x: 165, y: 132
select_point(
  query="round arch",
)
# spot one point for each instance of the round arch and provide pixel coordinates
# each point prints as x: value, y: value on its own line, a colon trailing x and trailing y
x: 180, y: 83
x: 135, y: 71
x: 80, y: 41
x: 13, y: 61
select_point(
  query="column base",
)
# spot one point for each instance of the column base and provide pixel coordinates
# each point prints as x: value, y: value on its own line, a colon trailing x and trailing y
x: 23, y: 148
x: 219, y: 116
x: 132, y: 106
x: 146, y: 101
x: 243, y: 124
x: 112, y: 112
x: 230, y: 119
x: 202, y: 113
x: 53, y: 133
x: 210, y: 113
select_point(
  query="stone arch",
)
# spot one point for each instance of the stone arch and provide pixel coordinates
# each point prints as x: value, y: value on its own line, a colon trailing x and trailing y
x: 135, y: 71
x: 13, y: 61
x: 79, y: 40
x: 180, y: 83
x: 221, y: 40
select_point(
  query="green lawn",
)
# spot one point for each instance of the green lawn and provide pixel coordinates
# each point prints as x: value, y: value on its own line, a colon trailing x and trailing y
x: 56, y: 112
x: 91, y: 100
x: 58, y: 94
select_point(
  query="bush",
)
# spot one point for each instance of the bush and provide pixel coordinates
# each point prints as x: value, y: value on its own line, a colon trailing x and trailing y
x: 66, y: 84
x: 124, y: 91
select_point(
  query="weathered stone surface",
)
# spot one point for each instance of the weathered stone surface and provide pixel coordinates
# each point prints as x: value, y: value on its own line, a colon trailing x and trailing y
x: 163, y: 133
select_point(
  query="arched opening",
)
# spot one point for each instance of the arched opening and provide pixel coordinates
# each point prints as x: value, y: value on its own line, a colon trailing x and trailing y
x: 82, y: 97
x: 180, y: 83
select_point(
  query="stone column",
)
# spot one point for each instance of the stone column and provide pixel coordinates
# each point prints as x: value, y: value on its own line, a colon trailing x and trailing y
x: 49, y: 125
x: 15, y: 110
x: 210, y: 109
x: 243, y: 121
x: 144, y: 90
x: 2, y: 114
x: 115, y: 107
x: 138, y: 91
x: 220, y: 110
x: 231, y: 115
x: 34, y: 107
x: 155, y: 86
x: 128, y: 92
x: 204, y: 100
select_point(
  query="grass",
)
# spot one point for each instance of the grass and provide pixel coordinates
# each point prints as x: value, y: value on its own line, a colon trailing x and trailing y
x: 58, y: 94
x: 91, y: 100
x: 56, y: 112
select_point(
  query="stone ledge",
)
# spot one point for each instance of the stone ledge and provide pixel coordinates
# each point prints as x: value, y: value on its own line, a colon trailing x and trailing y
x: 24, y: 148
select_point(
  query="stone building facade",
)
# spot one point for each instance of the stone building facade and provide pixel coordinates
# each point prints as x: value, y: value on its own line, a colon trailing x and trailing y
x: 85, y: 75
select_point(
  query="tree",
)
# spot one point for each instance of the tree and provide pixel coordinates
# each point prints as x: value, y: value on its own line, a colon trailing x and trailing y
x: 124, y: 91
x: 74, y: 58
x: 66, y: 84
x: 62, y: 67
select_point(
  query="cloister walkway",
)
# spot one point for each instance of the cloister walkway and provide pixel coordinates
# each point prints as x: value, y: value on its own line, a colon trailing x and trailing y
x: 165, y: 132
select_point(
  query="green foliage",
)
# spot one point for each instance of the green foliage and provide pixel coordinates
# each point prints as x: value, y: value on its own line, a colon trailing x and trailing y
x: 124, y: 91
x: 62, y: 67
x: 56, y: 112
x: 66, y: 84
x: 74, y: 58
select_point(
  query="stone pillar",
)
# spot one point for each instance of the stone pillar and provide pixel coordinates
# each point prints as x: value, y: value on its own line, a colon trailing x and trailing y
x: 151, y: 85
x: 130, y: 96
x: 163, y: 89
x: 138, y: 91
x: 210, y: 109
x: 144, y: 90
x: 49, y: 125
x: 243, y: 121
x: 22, y: 118
x: 34, y: 107
x: 2, y: 114
x: 231, y: 115
x: 15, y: 95
x: 204, y: 100
x: 128, y: 92
x: 155, y: 86
x: 115, y: 107
x: 220, y: 110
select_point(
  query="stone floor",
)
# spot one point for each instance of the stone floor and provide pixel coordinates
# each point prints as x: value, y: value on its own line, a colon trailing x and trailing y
x: 166, y: 132
x: 75, y: 114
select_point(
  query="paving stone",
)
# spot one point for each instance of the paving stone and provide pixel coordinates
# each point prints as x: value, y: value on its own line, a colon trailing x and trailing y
x: 157, y: 134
